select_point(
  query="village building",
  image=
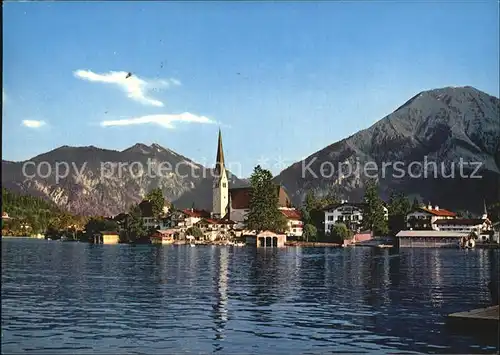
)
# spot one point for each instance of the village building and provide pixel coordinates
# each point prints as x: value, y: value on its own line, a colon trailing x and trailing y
x: 348, y: 213
x: 424, y: 218
x: 436, y: 219
x: 496, y: 232
x: 266, y: 239
x: 177, y: 219
x: 163, y: 236
x: 106, y: 237
x: 437, y: 227
x: 193, y: 216
x: 293, y: 222
x: 481, y: 227
x: 216, y: 229
x: 148, y: 218
x: 429, y: 239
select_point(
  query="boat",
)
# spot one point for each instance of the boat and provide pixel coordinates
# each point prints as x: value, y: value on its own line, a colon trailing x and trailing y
x: 190, y: 238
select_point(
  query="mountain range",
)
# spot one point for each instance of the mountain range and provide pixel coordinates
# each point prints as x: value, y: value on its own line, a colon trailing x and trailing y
x: 444, y: 126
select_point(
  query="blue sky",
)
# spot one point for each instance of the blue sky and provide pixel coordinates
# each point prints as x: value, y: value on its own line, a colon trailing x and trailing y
x: 281, y: 79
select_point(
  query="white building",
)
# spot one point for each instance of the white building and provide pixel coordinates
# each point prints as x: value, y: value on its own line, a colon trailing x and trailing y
x: 482, y: 227
x: 351, y: 214
x: 220, y: 190
x: 294, y: 221
x: 193, y: 216
x: 215, y: 229
x: 496, y: 232
x: 424, y: 218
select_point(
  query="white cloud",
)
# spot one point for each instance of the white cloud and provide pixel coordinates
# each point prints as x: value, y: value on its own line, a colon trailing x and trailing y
x: 33, y: 123
x: 163, y: 120
x: 135, y: 87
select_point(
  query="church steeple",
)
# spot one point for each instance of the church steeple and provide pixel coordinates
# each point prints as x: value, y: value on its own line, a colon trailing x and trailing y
x: 219, y: 162
x: 220, y: 188
x: 485, y: 211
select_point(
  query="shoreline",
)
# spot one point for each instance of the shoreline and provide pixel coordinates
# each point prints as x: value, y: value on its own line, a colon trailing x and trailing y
x: 313, y: 244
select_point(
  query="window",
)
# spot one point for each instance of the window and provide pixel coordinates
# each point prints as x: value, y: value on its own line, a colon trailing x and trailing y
x: 224, y: 184
x: 330, y: 218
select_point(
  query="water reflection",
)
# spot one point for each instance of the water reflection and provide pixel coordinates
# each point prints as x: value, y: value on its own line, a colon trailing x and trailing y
x: 221, y: 296
x: 80, y: 298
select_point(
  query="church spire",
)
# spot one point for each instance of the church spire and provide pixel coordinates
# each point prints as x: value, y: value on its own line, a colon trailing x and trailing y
x: 219, y: 163
x: 485, y: 211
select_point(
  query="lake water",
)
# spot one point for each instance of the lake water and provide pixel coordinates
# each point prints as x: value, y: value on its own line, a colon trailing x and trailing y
x: 66, y: 298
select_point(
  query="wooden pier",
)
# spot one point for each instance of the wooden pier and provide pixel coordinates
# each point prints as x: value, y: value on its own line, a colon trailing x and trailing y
x: 487, y: 318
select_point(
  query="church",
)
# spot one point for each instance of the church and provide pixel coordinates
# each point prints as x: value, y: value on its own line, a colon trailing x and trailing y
x: 220, y: 189
x: 233, y: 204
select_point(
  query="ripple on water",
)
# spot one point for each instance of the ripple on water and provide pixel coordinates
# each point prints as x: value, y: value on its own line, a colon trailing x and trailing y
x: 68, y: 297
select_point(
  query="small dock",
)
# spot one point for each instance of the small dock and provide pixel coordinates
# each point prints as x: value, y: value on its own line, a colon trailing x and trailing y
x: 488, y: 316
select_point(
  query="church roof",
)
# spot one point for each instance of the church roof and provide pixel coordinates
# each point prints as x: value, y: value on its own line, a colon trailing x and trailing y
x: 240, y: 197
x: 146, y: 208
x: 292, y: 214
x: 439, y: 212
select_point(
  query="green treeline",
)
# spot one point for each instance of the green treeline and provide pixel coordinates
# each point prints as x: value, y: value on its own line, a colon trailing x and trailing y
x: 31, y: 215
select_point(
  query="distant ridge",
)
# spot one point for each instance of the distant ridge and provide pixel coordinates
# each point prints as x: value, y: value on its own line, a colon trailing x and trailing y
x: 443, y: 124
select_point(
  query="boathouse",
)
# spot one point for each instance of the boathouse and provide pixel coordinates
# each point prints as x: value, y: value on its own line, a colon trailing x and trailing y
x: 429, y: 239
x: 106, y: 238
x: 266, y: 239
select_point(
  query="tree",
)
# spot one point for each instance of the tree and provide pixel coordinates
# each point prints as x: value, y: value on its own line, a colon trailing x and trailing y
x: 374, y: 216
x: 494, y: 212
x: 34, y: 211
x: 99, y: 224
x: 312, y: 209
x: 195, y: 231
x: 134, y: 225
x: 263, y: 211
x: 416, y: 204
x: 399, y: 207
x: 157, y: 200
x: 307, y: 207
x: 340, y: 232
x: 310, y: 233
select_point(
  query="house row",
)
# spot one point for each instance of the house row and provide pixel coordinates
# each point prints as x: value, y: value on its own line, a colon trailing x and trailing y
x: 428, y: 218
x: 230, y: 207
x: 437, y: 219
x: 431, y: 226
x: 177, y: 222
